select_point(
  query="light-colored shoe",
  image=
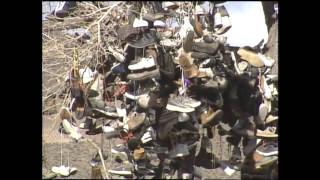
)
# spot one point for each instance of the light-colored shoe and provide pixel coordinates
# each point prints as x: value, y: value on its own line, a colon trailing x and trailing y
x: 271, y: 119
x: 143, y: 100
x: 131, y: 96
x: 242, y: 65
x: 266, y: 134
x: 199, y: 10
x: 226, y: 25
x: 87, y: 75
x: 137, y: 23
x: 144, y: 63
x: 159, y: 23
x: 208, y: 72
x: 71, y: 130
x: 267, y: 60
x: 263, y: 111
x: 63, y: 170
x: 169, y: 43
x: 251, y: 57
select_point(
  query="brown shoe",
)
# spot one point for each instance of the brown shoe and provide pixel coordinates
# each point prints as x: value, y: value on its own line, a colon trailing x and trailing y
x: 261, y: 160
x: 138, y: 154
x: 135, y: 120
x: 210, y: 116
x: 266, y: 134
x: 251, y: 57
x: 64, y: 113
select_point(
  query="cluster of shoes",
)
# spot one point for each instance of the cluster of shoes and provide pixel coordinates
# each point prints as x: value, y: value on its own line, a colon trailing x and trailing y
x: 174, y: 78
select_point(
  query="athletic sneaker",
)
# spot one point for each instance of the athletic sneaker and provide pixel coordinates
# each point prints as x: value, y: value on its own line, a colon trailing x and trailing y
x: 266, y: 134
x: 144, y: 63
x: 176, y: 104
x: 268, y: 149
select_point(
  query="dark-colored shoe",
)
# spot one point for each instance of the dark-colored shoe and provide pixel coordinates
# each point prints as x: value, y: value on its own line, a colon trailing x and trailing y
x: 268, y: 149
x: 209, y: 48
x: 126, y: 31
x: 223, y: 11
x: 236, y: 155
x: 180, y: 150
x: 147, y: 39
x: 188, y: 41
x: 208, y: 39
x: 166, y: 121
x: 199, y: 55
x: 197, y: 27
x: 217, y: 83
x: 144, y: 75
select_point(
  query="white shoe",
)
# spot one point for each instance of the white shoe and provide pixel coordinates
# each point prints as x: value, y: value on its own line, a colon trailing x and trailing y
x: 144, y: 63
x: 263, y: 111
x: 108, y: 129
x: 146, y: 137
x: 63, y: 170
x: 140, y: 23
x: 217, y: 20
x: 226, y: 25
x: 71, y: 130
x: 159, y: 23
x: 87, y: 75
x: 143, y: 100
x: 131, y: 96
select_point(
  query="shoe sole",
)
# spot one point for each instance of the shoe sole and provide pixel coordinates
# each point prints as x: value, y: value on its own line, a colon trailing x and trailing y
x: 125, y: 173
x: 271, y: 160
x: 194, y: 104
x: 180, y: 109
x: 130, y: 96
x: 150, y: 74
x: 117, y: 152
x: 267, y: 154
x: 141, y: 67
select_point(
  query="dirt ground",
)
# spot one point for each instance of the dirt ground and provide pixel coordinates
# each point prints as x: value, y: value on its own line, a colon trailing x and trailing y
x: 81, y: 153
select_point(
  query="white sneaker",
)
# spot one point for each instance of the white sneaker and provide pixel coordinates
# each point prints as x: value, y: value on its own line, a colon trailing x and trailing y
x: 140, y: 23
x: 63, y: 170
x: 159, y: 23
x: 108, y: 129
x: 131, y: 96
x: 71, y: 130
x: 144, y: 63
